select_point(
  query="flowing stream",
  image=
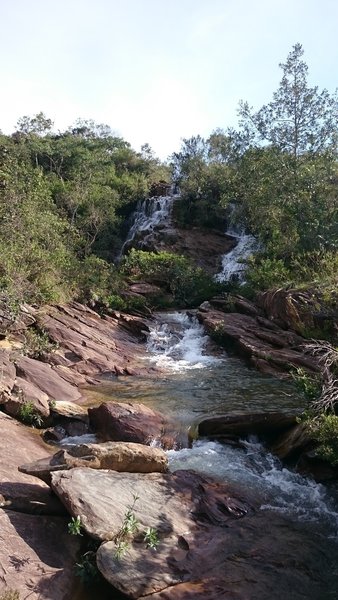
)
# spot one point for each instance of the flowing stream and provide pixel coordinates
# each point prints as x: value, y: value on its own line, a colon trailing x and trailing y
x: 198, y: 380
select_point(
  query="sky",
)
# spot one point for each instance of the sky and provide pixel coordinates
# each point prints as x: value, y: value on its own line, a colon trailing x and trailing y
x: 156, y: 71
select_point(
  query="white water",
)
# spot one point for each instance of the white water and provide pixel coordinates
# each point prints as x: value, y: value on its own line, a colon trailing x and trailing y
x: 233, y: 263
x: 263, y: 475
x: 178, y: 343
x: 149, y: 214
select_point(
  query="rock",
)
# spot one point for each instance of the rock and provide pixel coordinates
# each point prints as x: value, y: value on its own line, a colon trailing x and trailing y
x: 134, y: 325
x: 46, y: 379
x: 37, y: 556
x: 213, y: 544
x: 266, y: 424
x: 18, y: 491
x: 116, y: 456
x: 23, y: 393
x: 145, y: 289
x: 7, y: 379
x: 69, y: 410
x: 311, y: 465
x: 271, y: 349
x: 300, y: 309
x: 89, y: 345
x: 125, y: 422
x: 292, y: 442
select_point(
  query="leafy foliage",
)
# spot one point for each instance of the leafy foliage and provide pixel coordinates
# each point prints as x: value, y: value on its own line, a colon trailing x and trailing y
x: 189, y: 285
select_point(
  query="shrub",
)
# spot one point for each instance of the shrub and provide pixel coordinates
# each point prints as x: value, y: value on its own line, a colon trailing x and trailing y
x: 189, y: 285
x: 324, y: 430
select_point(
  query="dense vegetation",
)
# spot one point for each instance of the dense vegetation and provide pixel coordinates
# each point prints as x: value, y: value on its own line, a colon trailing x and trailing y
x: 279, y: 172
x: 66, y: 196
x: 64, y: 199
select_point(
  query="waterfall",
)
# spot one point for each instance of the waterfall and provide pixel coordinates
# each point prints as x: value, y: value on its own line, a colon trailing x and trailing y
x: 149, y: 215
x: 178, y: 342
x: 233, y: 263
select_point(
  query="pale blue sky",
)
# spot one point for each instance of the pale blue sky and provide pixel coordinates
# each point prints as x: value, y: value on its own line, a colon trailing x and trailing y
x: 156, y: 70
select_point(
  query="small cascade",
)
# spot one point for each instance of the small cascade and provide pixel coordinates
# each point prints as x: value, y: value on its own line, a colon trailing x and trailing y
x: 149, y: 214
x: 233, y: 263
x: 178, y: 343
x: 277, y: 488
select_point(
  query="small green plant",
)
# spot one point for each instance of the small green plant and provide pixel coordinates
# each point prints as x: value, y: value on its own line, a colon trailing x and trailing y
x: 151, y: 538
x: 74, y: 526
x: 130, y: 526
x: 28, y: 415
x: 37, y: 343
x: 86, y: 569
x: 309, y: 385
x: 324, y: 429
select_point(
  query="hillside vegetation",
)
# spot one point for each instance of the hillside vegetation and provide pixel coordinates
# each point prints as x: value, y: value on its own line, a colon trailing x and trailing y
x: 66, y: 197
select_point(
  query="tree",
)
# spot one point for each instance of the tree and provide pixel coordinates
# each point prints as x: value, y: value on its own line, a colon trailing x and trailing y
x: 299, y: 119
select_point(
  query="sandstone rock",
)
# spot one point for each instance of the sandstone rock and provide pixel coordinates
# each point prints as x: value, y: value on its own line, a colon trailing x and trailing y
x: 271, y: 349
x: 18, y: 491
x: 7, y: 379
x: 124, y: 422
x: 23, y: 393
x: 46, y: 379
x: 89, y: 344
x: 37, y: 556
x: 267, y: 424
x: 116, y: 456
x: 299, y: 309
x: 292, y: 442
x: 212, y: 544
x: 69, y: 410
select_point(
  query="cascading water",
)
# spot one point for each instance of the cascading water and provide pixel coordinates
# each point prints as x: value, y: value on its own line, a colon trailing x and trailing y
x: 233, y: 263
x: 149, y: 214
x: 178, y: 343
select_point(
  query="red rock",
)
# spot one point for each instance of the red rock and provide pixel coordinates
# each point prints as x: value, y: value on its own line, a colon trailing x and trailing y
x: 127, y: 422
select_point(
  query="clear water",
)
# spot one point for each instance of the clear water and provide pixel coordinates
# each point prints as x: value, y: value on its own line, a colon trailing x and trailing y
x: 198, y: 380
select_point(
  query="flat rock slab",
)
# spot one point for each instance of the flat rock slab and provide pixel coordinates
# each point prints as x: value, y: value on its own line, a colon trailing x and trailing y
x: 47, y: 380
x: 116, y: 456
x: 267, y: 347
x: 213, y: 545
x: 37, y: 556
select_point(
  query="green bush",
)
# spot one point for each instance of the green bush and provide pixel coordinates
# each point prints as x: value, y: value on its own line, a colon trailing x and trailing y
x: 324, y: 430
x: 189, y: 285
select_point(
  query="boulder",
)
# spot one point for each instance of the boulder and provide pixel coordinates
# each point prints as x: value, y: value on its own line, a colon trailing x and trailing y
x: 116, y: 456
x: 212, y: 543
x: 126, y: 422
x: 292, y: 442
x: 261, y: 424
x: 26, y: 393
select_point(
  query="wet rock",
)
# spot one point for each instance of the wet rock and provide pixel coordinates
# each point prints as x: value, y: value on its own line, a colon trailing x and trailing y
x: 292, y: 442
x: 127, y: 422
x: 116, y: 456
x: 261, y: 424
x: 69, y: 410
x: 212, y: 542
x: 54, y: 435
x: 311, y: 465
